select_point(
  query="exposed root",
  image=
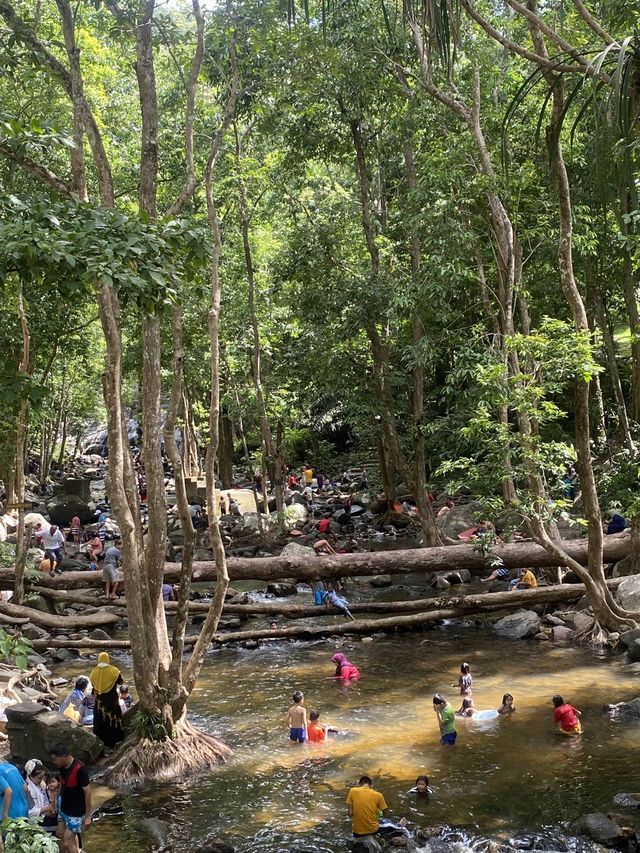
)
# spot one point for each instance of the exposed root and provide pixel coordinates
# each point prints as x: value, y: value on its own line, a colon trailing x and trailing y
x: 191, y: 752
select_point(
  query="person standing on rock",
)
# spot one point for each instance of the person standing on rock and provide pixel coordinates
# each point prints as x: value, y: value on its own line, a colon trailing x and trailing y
x: 112, y: 559
x: 53, y: 544
x: 107, y: 715
x: 74, y: 813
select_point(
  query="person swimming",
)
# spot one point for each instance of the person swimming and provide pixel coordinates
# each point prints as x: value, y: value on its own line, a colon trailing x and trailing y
x: 421, y: 787
x: 507, y: 706
x: 467, y: 709
x: 344, y: 669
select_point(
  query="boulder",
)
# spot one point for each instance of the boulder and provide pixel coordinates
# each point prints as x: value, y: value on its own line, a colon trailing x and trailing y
x: 458, y: 577
x: 624, y: 567
x: 461, y: 518
x: 582, y: 622
x: 32, y: 730
x: 628, y: 593
x: 627, y: 637
x: 625, y: 710
x: 381, y: 581
x: 34, y: 632
x: 99, y: 634
x: 553, y: 621
x: 62, y: 508
x: 295, y: 512
x: 282, y: 590
x: 251, y: 522
x: 518, y: 625
x: 440, y: 582
x: 297, y: 551
x: 561, y: 634
x: 601, y: 829
x: 633, y: 651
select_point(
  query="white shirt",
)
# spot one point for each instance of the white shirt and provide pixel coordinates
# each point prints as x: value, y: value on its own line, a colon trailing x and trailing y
x: 52, y: 543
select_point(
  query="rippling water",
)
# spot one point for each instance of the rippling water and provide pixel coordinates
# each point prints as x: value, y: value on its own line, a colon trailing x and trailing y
x: 503, y: 776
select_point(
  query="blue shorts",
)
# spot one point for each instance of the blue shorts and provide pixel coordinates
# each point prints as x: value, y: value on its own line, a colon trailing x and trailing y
x: 318, y: 596
x: 449, y: 739
x: 296, y: 734
x: 72, y: 823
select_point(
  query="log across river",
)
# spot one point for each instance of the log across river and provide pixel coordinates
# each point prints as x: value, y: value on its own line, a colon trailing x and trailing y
x: 416, y: 560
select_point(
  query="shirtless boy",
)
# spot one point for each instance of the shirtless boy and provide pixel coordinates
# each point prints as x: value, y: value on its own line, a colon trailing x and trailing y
x: 296, y: 719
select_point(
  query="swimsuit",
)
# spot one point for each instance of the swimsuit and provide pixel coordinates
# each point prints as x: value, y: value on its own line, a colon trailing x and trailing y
x: 297, y: 734
x: 449, y: 739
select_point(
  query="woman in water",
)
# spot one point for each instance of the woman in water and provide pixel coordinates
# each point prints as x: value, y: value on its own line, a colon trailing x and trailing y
x: 507, y: 706
x: 344, y: 669
x: 565, y: 717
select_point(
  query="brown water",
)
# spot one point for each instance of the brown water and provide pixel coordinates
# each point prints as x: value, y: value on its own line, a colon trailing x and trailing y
x: 503, y: 776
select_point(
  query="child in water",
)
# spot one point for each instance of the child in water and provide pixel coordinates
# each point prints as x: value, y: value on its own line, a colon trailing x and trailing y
x: 507, y: 706
x: 565, y: 717
x: 446, y: 720
x: 296, y: 719
x: 465, y: 681
x: 316, y: 733
x: 421, y: 788
x: 467, y: 709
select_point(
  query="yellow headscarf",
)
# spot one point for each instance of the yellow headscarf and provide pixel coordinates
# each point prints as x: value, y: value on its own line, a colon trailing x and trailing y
x: 104, y: 675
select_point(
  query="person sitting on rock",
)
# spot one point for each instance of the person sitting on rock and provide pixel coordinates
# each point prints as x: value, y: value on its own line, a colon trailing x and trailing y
x: 525, y: 580
x: 617, y: 522
x: 501, y: 573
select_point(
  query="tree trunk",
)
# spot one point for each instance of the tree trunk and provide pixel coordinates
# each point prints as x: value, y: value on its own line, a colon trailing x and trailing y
x: 225, y: 451
x: 24, y: 533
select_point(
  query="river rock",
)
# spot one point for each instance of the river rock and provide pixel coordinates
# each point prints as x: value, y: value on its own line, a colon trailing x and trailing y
x: 518, y: 625
x: 368, y: 844
x: 39, y: 602
x: 216, y: 845
x: 32, y: 730
x: 62, y: 508
x: 34, y: 632
x: 282, y: 590
x: 625, y: 567
x: 440, y: 582
x: 625, y: 710
x: 99, y: 634
x: 461, y: 518
x: 381, y: 581
x: 155, y: 829
x: 601, y: 829
x: 554, y: 621
x: 561, y: 634
x: 294, y: 550
x: 628, y: 593
x: 633, y: 651
x: 582, y: 622
x: 627, y: 637
x: 629, y: 801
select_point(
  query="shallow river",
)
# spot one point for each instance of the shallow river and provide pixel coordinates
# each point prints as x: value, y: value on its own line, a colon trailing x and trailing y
x: 503, y: 776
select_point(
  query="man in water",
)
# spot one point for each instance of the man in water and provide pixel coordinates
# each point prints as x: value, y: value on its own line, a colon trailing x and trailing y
x: 365, y: 806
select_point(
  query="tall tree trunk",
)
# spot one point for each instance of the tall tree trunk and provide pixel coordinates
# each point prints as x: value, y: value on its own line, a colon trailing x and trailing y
x: 225, y: 450
x: 24, y: 533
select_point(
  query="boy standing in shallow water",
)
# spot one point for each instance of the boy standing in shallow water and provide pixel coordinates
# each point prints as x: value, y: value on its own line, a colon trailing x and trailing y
x: 296, y: 719
x: 446, y: 720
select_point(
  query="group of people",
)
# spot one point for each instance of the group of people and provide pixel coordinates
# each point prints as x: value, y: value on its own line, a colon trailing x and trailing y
x: 60, y: 800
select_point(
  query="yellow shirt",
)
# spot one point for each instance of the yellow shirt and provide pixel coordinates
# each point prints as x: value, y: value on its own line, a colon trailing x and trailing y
x: 365, y: 804
x: 529, y: 579
x: 308, y: 475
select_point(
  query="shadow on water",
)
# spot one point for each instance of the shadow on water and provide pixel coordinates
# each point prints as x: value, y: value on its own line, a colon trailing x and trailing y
x: 503, y: 776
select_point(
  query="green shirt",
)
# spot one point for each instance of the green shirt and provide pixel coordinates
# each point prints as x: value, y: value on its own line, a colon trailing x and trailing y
x: 448, y: 716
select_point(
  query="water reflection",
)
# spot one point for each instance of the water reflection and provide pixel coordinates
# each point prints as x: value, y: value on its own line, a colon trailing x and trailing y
x: 502, y: 776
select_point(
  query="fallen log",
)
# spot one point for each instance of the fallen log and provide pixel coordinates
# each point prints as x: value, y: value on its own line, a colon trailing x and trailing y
x: 436, y: 610
x: 418, y: 560
x: 51, y: 620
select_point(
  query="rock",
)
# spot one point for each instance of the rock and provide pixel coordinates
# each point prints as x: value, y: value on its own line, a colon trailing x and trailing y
x: 624, y: 567
x: 625, y: 710
x: 250, y: 644
x: 441, y: 582
x: 561, y: 634
x: 32, y: 730
x: 282, y: 590
x: 518, y: 625
x: 367, y: 844
x: 59, y: 682
x: 42, y: 604
x: 62, y: 508
x: 99, y: 634
x: 155, y: 829
x: 629, y: 801
x: 367, y: 640
x: 582, y: 622
x: 554, y: 621
x: 628, y: 593
x: 216, y: 845
x: 34, y: 632
x: 628, y: 637
x: 542, y: 637
x: 295, y: 512
x: 380, y: 581
x: 35, y: 660
x: 601, y: 829
x: 61, y: 654
x: 251, y: 522
x: 297, y: 551
x: 461, y: 518
x: 398, y: 841
x: 583, y: 603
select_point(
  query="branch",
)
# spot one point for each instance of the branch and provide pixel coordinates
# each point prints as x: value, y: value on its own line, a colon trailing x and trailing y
x: 190, y: 183
x: 595, y: 25
x: 443, y: 97
x: 516, y: 48
x: 40, y: 171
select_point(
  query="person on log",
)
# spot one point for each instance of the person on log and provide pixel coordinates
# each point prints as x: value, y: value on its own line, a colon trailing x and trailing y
x: 345, y: 670
x: 565, y: 718
x: 446, y: 720
x: 107, y: 714
x: 74, y: 812
x: 525, y: 580
x: 332, y: 597
x: 501, y: 574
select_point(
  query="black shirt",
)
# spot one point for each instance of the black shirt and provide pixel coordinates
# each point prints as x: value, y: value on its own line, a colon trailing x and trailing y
x: 72, y: 798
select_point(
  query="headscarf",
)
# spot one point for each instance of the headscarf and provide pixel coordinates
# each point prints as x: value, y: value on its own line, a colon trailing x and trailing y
x: 340, y: 660
x: 104, y: 675
x: 32, y: 766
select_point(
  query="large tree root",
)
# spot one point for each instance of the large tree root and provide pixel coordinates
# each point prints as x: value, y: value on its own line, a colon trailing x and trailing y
x: 191, y: 752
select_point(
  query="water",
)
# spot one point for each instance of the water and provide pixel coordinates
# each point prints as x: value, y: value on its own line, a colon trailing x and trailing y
x: 504, y: 776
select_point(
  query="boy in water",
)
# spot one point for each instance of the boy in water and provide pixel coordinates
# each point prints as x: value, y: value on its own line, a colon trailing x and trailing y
x: 316, y: 733
x: 446, y: 720
x: 296, y: 719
